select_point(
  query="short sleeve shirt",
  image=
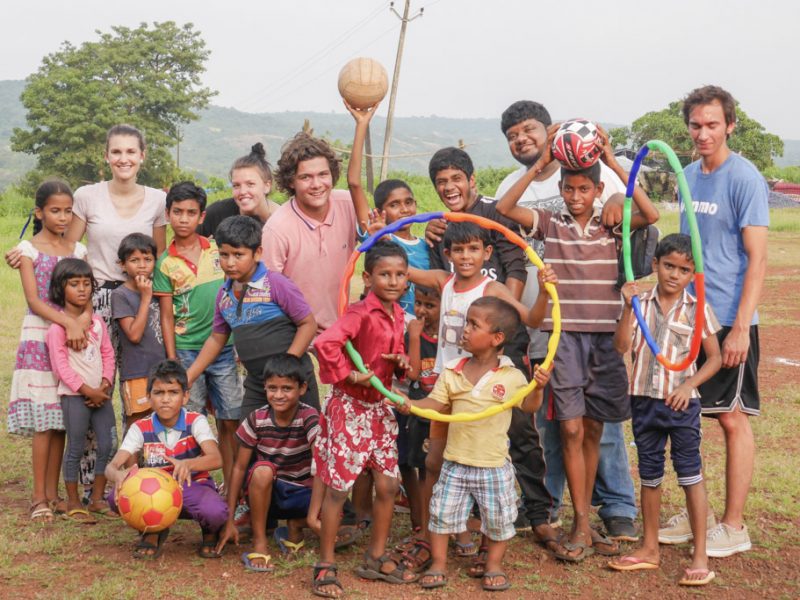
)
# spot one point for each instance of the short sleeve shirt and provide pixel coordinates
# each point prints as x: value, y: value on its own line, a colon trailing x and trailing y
x: 193, y: 289
x: 482, y: 443
x: 417, y: 251
x: 727, y: 200
x: 105, y: 228
x: 136, y: 360
x: 427, y: 376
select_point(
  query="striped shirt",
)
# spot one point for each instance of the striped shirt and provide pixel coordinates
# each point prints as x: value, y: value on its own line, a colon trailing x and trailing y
x: 673, y: 334
x: 288, y: 448
x: 585, y: 261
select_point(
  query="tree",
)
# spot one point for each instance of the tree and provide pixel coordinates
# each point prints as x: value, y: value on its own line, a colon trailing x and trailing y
x: 749, y: 138
x: 148, y: 77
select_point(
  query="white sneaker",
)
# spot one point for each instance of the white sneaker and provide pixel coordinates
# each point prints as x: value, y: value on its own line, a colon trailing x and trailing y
x: 679, y: 530
x: 723, y: 540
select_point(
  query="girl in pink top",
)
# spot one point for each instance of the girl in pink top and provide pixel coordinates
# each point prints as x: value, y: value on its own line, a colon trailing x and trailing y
x: 84, y: 383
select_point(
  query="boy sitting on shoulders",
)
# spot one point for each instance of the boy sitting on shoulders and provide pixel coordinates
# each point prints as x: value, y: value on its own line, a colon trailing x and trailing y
x: 274, y: 463
x: 665, y: 404
x: 179, y: 442
x: 477, y: 467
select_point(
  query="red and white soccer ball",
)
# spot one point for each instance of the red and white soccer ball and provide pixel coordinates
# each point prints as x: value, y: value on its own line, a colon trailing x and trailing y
x: 576, y: 144
x: 150, y: 500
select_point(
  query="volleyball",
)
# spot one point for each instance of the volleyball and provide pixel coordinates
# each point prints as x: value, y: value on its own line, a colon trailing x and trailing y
x: 150, y: 500
x: 575, y: 144
x: 363, y: 82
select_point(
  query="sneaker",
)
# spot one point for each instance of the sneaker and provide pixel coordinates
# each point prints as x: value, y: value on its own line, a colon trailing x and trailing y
x: 679, y: 529
x: 522, y: 523
x: 723, y: 540
x: 621, y: 529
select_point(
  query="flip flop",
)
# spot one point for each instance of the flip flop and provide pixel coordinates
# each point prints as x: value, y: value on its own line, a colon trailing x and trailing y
x: 586, y: 552
x: 545, y: 541
x: 465, y: 550
x: 80, y: 515
x: 439, y: 580
x: 143, y: 545
x: 247, y: 559
x: 631, y: 563
x: 709, y: 577
x: 41, y: 512
x: 497, y: 587
x: 105, y: 511
x: 281, y: 537
x: 599, y: 540
x: 208, y: 549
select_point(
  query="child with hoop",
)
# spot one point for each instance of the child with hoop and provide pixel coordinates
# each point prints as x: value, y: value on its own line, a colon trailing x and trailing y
x: 665, y: 404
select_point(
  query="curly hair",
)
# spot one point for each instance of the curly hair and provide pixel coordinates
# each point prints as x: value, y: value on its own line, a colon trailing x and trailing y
x: 523, y: 110
x: 304, y: 147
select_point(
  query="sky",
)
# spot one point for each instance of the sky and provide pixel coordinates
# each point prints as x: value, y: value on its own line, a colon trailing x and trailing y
x: 607, y: 61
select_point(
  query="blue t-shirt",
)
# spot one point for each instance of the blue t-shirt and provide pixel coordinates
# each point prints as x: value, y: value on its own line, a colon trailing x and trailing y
x: 417, y: 251
x: 732, y: 197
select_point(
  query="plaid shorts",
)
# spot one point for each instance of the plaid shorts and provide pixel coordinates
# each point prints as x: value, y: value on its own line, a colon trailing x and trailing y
x: 460, y: 486
x: 354, y: 436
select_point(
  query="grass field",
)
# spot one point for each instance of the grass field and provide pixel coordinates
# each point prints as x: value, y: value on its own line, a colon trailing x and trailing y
x: 66, y: 560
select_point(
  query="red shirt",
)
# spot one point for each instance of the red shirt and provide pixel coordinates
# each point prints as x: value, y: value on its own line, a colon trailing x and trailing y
x: 373, y: 332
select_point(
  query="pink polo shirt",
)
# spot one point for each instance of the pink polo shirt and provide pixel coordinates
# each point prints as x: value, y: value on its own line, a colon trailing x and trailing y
x: 311, y: 253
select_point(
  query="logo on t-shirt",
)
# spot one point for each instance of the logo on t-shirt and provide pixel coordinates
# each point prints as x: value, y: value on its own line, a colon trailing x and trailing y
x: 499, y: 391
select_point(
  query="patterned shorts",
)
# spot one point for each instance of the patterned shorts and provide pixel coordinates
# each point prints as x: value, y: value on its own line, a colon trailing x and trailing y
x: 460, y: 486
x: 354, y: 436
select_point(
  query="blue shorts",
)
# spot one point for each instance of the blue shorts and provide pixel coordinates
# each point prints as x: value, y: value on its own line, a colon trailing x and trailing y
x: 289, y: 500
x: 653, y: 423
x: 461, y: 486
x: 220, y: 382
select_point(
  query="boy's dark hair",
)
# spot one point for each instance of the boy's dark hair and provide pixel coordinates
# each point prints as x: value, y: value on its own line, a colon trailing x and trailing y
x: 168, y: 371
x: 593, y: 173
x: 459, y: 232
x: 522, y: 110
x: 257, y: 159
x: 303, y: 147
x: 502, y: 316
x: 133, y: 242
x: 383, y: 249
x: 450, y: 158
x: 426, y: 291
x: 240, y: 232
x: 186, y: 190
x: 387, y: 187
x: 284, y: 365
x: 66, y: 269
x: 51, y: 187
x: 680, y: 243
x: 706, y: 95
x: 124, y: 129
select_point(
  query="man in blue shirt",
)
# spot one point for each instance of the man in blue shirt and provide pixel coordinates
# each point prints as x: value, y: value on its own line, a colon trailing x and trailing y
x: 731, y: 205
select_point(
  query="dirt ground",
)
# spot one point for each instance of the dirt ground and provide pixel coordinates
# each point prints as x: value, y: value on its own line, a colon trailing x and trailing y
x: 68, y: 560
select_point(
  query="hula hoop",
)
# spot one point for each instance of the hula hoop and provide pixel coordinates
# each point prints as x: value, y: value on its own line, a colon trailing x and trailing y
x: 697, y: 252
x: 488, y: 224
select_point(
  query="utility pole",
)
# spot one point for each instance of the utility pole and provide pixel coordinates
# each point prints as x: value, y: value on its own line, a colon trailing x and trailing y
x: 387, y: 139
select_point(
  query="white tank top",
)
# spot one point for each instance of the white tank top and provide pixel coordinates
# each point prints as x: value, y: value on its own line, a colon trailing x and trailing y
x: 452, y: 318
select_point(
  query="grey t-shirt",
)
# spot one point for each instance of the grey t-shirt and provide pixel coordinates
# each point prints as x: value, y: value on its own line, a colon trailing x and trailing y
x: 136, y: 360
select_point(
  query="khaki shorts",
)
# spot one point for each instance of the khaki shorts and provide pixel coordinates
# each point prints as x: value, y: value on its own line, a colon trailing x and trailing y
x: 134, y: 396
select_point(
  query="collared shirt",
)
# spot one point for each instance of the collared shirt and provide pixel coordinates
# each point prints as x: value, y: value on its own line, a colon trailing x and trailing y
x: 482, y: 443
x: 313, y: 254
x: 264, y: 319
x: 193, y: 288
x: 673, y: 334
x: 585, y: 261
x: 373, y: 332
x: 200, y: 430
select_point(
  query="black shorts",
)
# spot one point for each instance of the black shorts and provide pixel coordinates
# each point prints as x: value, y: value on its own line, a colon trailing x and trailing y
x: 737, y: 386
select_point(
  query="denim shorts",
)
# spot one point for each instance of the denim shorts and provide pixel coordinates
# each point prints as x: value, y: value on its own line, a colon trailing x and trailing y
x: 220, y: 382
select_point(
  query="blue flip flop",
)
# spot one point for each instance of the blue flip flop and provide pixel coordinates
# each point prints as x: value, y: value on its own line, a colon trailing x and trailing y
x: 247, y: 559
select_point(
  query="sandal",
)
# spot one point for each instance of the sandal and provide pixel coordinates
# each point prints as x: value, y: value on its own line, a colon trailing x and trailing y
x: 467, y: 550
x: 407, y: 543
x: 586, y: 552
x: 324, y: 575
x: 547, y: 541
x: 80, y: 515
x: 208, y: 547
x: 104, y: 510
x: 141, y: 550
x: 281, y: 537
x: 347, y: 536
x: 435, y: 579
x: 58, y: 506
x: 708, y: 577
x: 247, y: 559
x: 478, y: 567
x: 414, y: 561
x: 604, y: 545
x: 40, y: 512
x: 372, y: 569
x: 488, y: 586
